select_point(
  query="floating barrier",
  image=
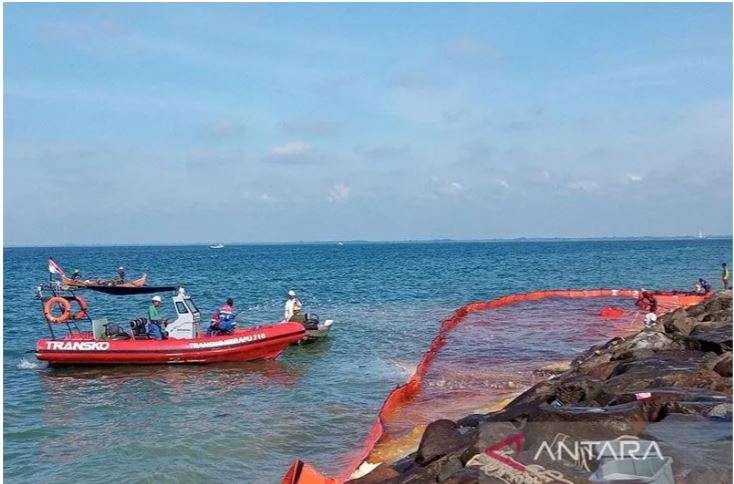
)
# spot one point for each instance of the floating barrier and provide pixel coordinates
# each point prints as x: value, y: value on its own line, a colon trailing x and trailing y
x: 301, y: 473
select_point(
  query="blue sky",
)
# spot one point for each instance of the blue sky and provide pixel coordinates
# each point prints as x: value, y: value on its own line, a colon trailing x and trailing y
x: 186, y: 123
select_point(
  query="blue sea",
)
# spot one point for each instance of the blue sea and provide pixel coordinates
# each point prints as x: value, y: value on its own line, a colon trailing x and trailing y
x: 247, y: 422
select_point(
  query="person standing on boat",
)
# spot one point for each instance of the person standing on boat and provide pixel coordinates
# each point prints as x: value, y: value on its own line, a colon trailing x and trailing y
x: 724, y: 276
x: 293, y: 308
x: 223, y: 321
x: 76, y: 275
x: 154, y: 318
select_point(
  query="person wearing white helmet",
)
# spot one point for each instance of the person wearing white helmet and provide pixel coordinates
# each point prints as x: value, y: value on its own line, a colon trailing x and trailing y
x: 119, y: 277
x: 154, y: 318
x: 293, y: 308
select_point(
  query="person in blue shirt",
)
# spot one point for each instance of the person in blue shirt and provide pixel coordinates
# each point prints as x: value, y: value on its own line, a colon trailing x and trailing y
x: 223, y: 321
x: 704, y: 285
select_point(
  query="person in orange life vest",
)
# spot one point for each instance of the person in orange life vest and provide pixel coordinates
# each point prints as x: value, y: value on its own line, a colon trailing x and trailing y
x: 223, y: 321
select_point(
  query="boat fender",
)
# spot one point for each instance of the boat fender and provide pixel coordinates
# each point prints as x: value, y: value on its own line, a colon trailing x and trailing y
x: 83, y: 306
x: 50, y: 305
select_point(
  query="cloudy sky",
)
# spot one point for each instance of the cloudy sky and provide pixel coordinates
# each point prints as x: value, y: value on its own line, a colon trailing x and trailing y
x: 188, y: 123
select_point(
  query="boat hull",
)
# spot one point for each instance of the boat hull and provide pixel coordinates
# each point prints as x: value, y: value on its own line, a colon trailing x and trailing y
x: 69, y: 282
x: 264, y: 342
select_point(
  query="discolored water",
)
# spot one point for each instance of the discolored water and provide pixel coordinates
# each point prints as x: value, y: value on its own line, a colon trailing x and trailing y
x: 495, y: 354
x: 248, y: 421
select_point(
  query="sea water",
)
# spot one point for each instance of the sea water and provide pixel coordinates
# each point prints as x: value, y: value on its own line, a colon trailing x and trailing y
x: 247, y: 421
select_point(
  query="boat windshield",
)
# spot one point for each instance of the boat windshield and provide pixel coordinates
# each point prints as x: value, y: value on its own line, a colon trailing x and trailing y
x: 192, y: 306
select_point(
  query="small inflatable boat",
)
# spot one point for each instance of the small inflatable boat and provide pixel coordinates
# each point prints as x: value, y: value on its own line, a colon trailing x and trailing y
x: 111, y: 344
x: 82, y: 348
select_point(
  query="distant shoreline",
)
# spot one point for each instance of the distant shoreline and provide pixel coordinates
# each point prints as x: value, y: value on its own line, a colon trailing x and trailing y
x: 385, y: 242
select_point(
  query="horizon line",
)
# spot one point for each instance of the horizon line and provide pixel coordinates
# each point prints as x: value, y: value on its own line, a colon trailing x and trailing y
x: 364, y: 241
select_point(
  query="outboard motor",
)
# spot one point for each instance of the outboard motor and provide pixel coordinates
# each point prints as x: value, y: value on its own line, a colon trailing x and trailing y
x: 311, y: 321
x: 139, y: 327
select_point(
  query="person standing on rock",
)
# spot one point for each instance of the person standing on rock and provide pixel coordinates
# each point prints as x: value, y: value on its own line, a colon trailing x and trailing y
x: 724, y: 276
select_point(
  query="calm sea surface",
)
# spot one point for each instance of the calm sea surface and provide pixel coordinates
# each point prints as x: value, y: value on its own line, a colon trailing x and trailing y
x: 248, y: 421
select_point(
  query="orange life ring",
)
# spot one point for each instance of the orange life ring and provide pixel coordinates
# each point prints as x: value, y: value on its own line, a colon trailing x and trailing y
x: 83, y: 306
x: 50, y: 305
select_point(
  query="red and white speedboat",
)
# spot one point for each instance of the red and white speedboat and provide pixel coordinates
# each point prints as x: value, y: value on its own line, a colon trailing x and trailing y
x: 108, y: 344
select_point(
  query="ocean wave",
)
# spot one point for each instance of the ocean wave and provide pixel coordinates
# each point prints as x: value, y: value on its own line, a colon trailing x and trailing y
x: 25, y: 364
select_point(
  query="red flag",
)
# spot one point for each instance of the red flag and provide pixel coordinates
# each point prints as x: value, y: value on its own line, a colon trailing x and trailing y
x: 54, y: 268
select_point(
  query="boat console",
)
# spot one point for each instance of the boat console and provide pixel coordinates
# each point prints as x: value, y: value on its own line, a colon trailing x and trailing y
x: 188, y: 317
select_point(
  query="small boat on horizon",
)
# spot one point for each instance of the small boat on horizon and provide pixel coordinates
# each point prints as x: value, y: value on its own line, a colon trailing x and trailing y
x: 216, y: 246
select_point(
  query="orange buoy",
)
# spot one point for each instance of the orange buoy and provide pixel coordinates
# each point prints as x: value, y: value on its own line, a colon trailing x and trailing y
x: 83, y: 306
x: 611, y: 312
x: 50, y: 305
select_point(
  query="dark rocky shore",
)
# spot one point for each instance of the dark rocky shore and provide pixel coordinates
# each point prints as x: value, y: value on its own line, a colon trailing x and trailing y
x: 671, y: 384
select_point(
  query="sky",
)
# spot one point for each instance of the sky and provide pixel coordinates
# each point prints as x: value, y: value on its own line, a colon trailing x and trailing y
x: 185, y: 123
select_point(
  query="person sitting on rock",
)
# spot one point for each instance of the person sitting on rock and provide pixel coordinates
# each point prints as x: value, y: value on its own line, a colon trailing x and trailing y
x: 704, y: 285
x: 223, y: 321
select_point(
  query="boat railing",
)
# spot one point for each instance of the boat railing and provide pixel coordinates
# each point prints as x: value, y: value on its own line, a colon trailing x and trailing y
x: 56, y: 289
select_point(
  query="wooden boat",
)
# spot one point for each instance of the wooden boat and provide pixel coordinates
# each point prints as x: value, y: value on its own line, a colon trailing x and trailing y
x: 96, y: 283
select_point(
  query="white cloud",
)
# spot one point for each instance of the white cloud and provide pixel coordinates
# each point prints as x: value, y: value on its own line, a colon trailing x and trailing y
x: 634, y: 178
x: 455, y: 187
x: 339, y: 192
x: 587, y: 186
x: 502, y: 182
x: 294, y: 148
x: 266, y: 197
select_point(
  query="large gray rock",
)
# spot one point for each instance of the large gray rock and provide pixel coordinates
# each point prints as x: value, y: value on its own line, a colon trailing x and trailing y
x: 712, y: 337
x: 441, y: 437
x: 701, y: 447
x: 666, y: 369
x: 679, y: 322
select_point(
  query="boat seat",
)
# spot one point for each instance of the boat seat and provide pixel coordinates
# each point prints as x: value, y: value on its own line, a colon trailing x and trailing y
x: 98, y: 327
x: 114, y: 331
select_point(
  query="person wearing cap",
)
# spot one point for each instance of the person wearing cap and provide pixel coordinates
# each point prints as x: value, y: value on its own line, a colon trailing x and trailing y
x: 154, y: 318
x: 76, y: 275
x: 119, y: 277
x: 223, y: 321
x: 293, y: 308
